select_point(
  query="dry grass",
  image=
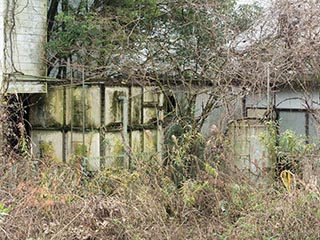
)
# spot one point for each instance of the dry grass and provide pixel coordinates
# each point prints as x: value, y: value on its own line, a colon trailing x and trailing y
x: 50, y: 201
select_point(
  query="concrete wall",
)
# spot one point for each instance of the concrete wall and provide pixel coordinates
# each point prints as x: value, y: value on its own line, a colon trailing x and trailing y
x: 57, y: 121
x: 2, y: 14
x: 25, y: 36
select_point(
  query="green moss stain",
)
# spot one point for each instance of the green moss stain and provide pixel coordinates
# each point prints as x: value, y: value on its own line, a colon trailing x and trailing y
x: 116, y: 106
x: 47, y: 112
x: 118, y: 148
x: 114, y: 149
x: 91, y: 108
x: 47, y: 150
x: 150, y: 140
x: 136, y: 142
x: 150, y: 115
x: 77, y: 112
x: 136, y: 106
x: 81, y: 150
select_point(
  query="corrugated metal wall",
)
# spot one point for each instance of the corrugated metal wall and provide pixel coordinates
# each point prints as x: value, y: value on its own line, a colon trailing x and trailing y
x: 94, y: 114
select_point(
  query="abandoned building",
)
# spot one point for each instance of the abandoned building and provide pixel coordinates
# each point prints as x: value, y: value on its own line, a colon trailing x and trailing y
x: 104, y: 121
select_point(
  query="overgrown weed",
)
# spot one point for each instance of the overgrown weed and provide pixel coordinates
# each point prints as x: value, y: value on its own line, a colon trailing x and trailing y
x: 49, y: 200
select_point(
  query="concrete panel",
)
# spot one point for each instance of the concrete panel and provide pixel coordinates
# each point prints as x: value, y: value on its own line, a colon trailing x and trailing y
x: 114, y: 107
x: 92, y: 109
x: 136, y: 105
x: 28, y: 37
x: 149, y: 141
x: 30, y: 55
x: 256, y: 113
x: 136, y: 141
x: 149, y: 115
x: 92, y: 148
x: 47, y: 110
x: 30, y: 69
x: 27, y: 87
x: 150, y: 95
x: 32, y: 4
x: 2, y: 14
x: 47, y: 143
x: 114, y: 149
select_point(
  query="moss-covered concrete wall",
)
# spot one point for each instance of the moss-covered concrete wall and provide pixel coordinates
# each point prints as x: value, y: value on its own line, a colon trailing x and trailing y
x: 57, y: 118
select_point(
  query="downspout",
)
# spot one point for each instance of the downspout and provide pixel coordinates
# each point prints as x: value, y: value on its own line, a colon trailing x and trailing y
x: 124, y: 100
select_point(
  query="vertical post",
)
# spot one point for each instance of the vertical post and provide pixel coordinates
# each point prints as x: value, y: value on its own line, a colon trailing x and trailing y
x: 71, y: 112
x: 83, y: 120
x: 124, y: 100
x: 268, y: 88
x: 102, y: 122
x: 159, y: 124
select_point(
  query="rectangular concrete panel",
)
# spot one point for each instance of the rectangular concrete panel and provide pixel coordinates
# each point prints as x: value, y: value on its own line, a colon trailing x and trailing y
x: 47, y: 109
x: 149, y: 115
x: 289, y: 99
x: 136, y: 105
x: 26, y: 87
x: 90, y: 96
x: 149, y: 141
x: 150, y: 95
x: 114, y: 149
x: 2, y: 60
x: 113, y: 106
x: 91, y: 148
x: 47, y: 144
x: 136, y: 142
x: 25, y: 36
